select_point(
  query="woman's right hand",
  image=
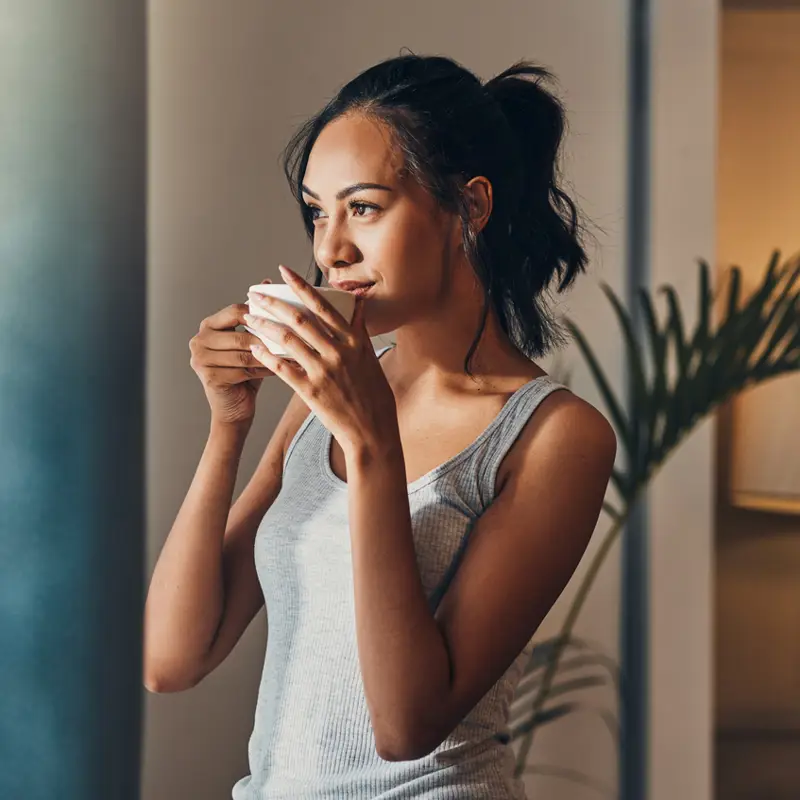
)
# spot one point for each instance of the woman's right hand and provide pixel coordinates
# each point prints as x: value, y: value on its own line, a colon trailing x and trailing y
x: 231, y: 375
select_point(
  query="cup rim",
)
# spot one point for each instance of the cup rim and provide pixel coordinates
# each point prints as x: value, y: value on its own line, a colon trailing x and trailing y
x: 286, y: 287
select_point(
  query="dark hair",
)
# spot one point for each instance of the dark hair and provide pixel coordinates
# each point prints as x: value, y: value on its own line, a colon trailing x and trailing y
x: 450, y: 128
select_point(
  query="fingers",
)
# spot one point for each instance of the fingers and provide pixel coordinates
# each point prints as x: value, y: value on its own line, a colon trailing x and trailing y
x: 222, y: 356
x: 226, y: 318
x: 221, y: 376
x: 228, y: 340
x: 203, y: 358
x: 218, y: 332
x: 303, y: 330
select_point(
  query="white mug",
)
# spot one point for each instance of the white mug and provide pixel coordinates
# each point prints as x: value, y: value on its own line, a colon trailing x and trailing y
x: 343, y: 302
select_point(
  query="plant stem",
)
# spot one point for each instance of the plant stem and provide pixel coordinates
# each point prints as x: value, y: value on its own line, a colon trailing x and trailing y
x: 566, y: 628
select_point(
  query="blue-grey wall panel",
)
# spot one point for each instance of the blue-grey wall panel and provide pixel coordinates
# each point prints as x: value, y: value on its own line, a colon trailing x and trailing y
x: 72, y: 343
x: 635, y: 590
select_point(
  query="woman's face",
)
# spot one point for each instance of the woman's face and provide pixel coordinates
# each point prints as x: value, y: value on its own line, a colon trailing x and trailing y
x: 395, y: 236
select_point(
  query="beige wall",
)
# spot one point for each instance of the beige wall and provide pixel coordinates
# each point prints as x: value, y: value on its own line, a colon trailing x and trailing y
x: 758, y: 553
x: 683, y: 224
x: 228, y: 85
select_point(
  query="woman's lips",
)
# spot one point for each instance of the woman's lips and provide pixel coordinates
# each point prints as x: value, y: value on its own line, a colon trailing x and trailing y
x: 346, y: 286
x: 361, y: 290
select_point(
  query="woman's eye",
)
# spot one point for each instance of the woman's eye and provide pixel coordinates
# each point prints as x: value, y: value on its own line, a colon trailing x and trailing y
x: 361, y: 209
x: 361, y: 206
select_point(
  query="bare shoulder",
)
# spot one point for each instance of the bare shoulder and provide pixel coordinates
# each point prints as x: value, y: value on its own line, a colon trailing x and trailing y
x: 574, y: 422
x: 563, y: 426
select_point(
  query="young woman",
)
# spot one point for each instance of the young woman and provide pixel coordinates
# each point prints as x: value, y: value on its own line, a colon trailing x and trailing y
x: 412, y: 520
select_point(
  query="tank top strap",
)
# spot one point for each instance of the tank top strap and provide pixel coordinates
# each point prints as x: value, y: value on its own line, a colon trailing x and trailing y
x: 505, y: 429
x: 509, y: 424
x: 381, y: 350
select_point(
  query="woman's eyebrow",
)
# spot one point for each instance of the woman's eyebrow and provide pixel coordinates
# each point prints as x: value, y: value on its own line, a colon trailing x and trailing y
x: 356, y: 187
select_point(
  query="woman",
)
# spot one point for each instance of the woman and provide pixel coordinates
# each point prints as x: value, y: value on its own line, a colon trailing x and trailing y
x: 412, y: 520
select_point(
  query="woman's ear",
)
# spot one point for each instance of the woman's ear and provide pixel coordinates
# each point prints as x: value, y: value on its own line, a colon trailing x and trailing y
x: 478, y: 194
x: 479, y: 197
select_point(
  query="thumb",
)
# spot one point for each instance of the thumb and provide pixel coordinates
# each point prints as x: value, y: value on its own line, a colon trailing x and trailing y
x: 266, y: 280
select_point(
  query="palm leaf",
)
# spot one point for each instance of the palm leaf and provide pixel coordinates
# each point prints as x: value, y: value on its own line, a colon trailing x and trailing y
x: 603, y: 384
x: 748, y: 332
x: 611, y: 510
x: 703, y: 340
x: 755, y: 341
x: 709, y: 367
x: 533, y: 677
x: 547, y: 716
x: 537, y: 720
x: 678, y: 404
x: 556, y: 690
x: 784, y: 313
x: 542, y: 652
x: 657, y: 395
x: 636, y: 368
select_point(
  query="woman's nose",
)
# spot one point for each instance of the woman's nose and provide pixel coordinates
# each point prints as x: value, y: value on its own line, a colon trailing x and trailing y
x: 336, y: 246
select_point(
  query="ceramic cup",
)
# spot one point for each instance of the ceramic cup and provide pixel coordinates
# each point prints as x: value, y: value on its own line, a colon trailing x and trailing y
x: 343, y: 302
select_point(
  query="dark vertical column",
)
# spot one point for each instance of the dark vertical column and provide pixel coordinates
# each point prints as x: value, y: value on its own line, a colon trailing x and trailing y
x: 72, y: 346
x: 635, y: 590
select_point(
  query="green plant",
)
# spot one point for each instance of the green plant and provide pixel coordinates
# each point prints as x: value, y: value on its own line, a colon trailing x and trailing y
x: 756, y: 340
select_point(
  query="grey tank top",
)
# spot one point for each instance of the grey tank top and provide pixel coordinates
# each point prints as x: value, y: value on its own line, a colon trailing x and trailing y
x: 312, y: 736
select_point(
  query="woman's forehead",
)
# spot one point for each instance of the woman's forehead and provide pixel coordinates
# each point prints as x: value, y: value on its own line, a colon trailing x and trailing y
x: 352, y: 149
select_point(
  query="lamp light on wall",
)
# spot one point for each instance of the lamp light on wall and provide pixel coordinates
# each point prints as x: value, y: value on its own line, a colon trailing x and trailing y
x: 765, y: 448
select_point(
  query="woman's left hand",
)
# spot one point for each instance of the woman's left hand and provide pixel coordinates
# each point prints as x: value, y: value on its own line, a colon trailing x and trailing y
x: 342, y: 383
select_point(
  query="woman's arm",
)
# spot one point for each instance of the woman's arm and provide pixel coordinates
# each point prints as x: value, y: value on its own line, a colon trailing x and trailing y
x: 424, y: 673
x: 185, y: 600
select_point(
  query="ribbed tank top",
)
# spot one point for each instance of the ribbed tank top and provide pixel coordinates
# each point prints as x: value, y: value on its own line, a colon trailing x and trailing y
x: 312, y: 735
